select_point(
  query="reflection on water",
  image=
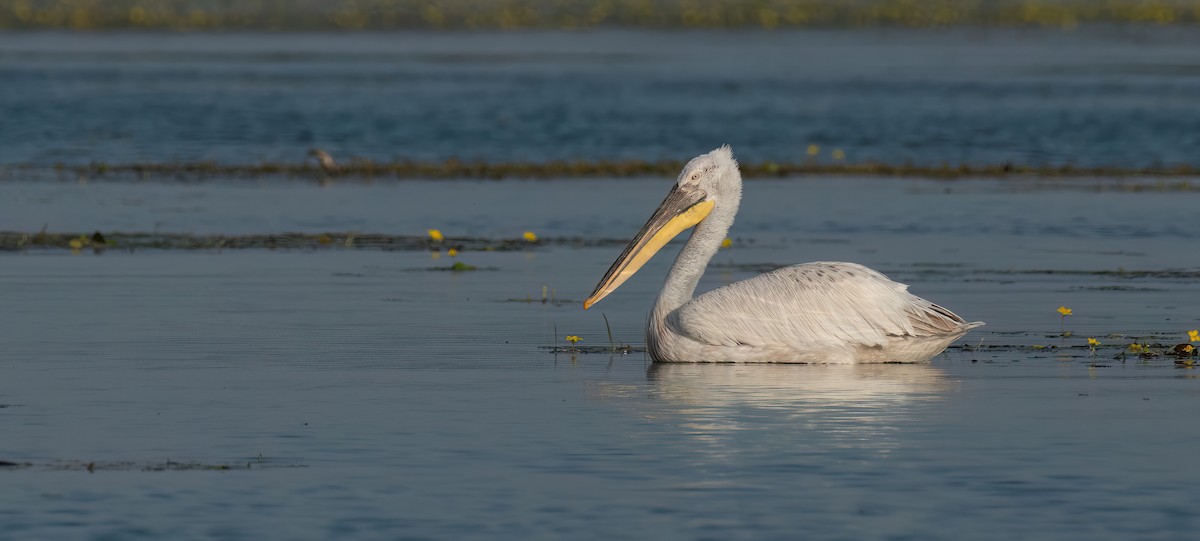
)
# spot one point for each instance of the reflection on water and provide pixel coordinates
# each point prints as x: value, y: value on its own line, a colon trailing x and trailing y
x: 856, y: 406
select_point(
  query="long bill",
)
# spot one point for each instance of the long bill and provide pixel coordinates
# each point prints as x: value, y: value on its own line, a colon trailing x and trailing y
x: 684, y: 207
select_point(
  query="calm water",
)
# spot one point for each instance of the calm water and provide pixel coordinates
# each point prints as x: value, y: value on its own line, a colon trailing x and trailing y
x: 1093, y: 96
x: 360, y: 394
x: 390, y: 401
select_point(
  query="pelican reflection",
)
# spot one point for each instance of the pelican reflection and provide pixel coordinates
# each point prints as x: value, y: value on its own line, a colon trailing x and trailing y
x: 818, y: 405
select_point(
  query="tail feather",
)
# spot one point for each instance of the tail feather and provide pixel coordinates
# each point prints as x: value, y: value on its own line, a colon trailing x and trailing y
x: 932, y: 319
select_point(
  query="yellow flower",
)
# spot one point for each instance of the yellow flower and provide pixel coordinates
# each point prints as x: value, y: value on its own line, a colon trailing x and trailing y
x: 1194, y: 336
x: 1188, y: 348
x: 436, y: 235
x: 1093, y: 342
x: 1064, y: 311
x: 452, y: 252
x: 572, y: 339
x: 76, y: 244
x: 839, y: 154
x: 813, y: 150
x: 727, y: 243
x: 529, y: 236
x: 1136, y: 348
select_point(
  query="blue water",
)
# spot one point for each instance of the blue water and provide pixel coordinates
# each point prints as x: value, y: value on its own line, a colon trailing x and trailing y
x: 1124, y: 96
x: 373, y: 399
x: 387, y: 403
x: 357, y: 394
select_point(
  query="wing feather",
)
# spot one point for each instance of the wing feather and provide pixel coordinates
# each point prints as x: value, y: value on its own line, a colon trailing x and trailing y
x: 810, y: 306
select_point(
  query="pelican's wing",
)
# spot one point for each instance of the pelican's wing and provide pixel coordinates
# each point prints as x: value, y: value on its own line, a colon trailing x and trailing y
x: 813, y: 305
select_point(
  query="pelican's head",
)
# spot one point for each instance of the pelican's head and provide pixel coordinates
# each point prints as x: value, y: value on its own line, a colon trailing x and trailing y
x: 715, y: 173
x: 706, y: 181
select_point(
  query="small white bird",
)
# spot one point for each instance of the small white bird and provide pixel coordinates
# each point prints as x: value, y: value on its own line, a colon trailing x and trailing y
x: 821, y: 312
x: 324, y: 160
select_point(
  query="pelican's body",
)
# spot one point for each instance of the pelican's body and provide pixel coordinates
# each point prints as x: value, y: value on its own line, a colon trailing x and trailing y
x: 820, y: 312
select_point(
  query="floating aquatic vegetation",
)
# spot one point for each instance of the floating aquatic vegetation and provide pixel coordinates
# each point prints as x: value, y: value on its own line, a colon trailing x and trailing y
x: 1185, y: 354
x: 373, y: 171
x: 624, y: 349
x: 1145, y: 352
x: 1119, y: 288
x: 457, y: 267
x: 133, y: 241
x: 350, y: 15
x: 169, y: 465
x: 1148, y: 350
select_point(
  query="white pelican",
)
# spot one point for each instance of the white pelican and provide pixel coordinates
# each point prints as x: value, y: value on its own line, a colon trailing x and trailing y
x: 821, y: 312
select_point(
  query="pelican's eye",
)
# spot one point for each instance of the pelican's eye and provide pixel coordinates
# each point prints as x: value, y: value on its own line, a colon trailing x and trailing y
x: 695, y: 176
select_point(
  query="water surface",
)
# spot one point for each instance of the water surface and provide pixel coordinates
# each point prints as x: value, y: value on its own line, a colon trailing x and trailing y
x: 353, y: 393
x: 1100, y: 95
x: 334, y: 392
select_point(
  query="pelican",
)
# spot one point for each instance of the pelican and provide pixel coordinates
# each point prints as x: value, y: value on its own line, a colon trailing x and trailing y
x: 822, y: 312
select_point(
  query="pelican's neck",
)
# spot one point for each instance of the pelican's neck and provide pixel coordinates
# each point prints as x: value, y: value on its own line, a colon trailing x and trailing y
x: 694, y: 257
